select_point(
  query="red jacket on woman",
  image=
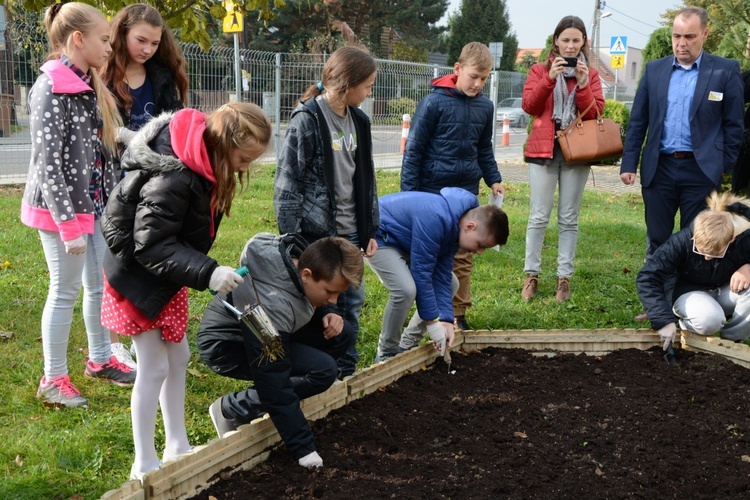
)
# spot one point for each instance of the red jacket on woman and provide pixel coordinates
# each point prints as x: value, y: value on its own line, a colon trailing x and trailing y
x: 538, y: 102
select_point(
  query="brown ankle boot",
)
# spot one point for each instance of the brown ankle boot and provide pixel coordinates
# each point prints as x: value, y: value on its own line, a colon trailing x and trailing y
x: 529, y: 287
x: 563, y: 289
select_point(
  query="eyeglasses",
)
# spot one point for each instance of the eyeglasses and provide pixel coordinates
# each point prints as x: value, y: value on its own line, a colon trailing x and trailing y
x: 709, y: 255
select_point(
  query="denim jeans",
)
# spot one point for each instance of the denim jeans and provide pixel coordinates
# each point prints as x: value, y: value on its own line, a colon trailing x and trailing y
x: 543, y: 179
x: 68, y: 273
x: 350, y: 306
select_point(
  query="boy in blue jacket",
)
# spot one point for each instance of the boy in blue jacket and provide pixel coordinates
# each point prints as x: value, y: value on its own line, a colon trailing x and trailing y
x: 419, y: 235
x: 450, y: 145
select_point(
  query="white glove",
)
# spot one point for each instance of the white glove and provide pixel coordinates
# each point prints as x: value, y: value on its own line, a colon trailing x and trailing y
x: 76, y: 246
x: 311, y: 460
x: 124, y: 135
x: 667, y: 334
x: 224, y: 280
x: 438, y: 335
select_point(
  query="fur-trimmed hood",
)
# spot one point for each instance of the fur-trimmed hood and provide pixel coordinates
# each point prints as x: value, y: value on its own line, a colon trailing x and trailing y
x: 140, y: 155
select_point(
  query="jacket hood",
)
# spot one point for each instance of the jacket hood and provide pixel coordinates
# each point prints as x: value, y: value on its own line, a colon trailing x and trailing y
x: 191, y: 124
x: 269, y: 259
x: 447, y: 84
x: 459, y: 201
x: 139, y: 153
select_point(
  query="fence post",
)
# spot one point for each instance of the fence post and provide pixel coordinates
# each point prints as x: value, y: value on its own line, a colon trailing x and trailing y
x: 405, y: 131
x: 277, y: 104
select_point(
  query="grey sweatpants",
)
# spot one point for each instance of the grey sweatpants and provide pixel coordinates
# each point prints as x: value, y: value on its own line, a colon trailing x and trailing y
x: 705, y: 312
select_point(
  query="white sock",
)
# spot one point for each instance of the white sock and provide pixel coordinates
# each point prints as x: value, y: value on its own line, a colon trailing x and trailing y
x: 172, y: 399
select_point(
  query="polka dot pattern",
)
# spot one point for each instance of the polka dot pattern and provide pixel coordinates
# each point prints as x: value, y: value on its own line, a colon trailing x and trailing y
x: 121, y: 316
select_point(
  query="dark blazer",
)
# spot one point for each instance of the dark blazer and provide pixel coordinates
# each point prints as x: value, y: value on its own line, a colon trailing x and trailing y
x: 715, y: 125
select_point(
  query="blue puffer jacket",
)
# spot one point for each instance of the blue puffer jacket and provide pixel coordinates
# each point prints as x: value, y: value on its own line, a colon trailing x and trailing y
x: 450, y: 141
x: 424, y: 226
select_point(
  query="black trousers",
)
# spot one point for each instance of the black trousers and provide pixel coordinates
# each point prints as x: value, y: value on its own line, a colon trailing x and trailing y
x: 307, y: 368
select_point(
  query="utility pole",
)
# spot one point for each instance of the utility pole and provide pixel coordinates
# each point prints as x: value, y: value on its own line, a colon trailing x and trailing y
x: 595, y: 33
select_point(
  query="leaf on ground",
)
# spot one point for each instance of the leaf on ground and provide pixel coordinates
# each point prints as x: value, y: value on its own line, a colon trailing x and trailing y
x: 195, y: 373
x: 746, y: 458
x: 19, y: 460
x: 6, y: 335
x: 520, y: 435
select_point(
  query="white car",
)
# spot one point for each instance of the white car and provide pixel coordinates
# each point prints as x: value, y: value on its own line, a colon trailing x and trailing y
x: 512, y: 107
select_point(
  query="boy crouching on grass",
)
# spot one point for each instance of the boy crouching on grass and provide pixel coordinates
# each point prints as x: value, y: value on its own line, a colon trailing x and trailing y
x: 418, y: 237
x: 294, y: 285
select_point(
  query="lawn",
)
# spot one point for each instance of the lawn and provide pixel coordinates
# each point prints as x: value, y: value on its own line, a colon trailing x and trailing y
x: 48, y: 453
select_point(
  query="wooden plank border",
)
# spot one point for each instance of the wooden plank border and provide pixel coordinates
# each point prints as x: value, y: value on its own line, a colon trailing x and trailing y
x: 250, y: 444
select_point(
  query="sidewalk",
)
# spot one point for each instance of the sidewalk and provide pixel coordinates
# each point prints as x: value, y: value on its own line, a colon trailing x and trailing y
x: 604, y: 178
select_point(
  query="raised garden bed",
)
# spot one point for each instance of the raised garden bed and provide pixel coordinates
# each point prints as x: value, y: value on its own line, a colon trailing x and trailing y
x: 507, y: 424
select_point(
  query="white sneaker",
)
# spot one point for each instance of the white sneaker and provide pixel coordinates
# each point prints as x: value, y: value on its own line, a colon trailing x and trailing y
x: 123, y: 355
x: 171, y: 458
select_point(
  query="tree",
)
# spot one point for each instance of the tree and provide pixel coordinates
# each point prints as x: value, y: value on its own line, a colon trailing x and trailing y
x: 526, y: 62
x: 483, y: 21
x: 729, y: 27
x: 191, y: 17
x: 659, y: 45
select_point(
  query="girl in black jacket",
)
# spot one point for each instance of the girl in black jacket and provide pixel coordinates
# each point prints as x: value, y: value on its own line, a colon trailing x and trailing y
x: 159, y: 225
x: 146, y: 70
x: 146, y: 73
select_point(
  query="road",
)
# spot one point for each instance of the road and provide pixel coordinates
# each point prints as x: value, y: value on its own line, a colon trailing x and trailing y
x: 16, y: 149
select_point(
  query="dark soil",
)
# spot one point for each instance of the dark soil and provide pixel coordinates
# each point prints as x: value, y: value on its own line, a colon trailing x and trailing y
x: 511, y: 425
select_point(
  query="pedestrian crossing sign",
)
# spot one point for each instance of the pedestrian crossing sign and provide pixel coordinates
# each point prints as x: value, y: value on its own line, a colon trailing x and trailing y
x: 233, y: 20
x: 618, y: 45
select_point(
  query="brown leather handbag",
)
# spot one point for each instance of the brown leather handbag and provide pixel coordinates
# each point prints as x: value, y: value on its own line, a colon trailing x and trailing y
x: 586, y: 141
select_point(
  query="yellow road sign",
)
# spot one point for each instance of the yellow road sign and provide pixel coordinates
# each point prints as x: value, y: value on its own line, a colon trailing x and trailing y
x: 233, y: 20
x: 618, y: 61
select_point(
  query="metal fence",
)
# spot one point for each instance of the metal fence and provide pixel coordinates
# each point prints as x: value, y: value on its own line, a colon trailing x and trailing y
x: 274, y: 81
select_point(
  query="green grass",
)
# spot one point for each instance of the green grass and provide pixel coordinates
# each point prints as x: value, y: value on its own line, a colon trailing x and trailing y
x: 49, y: 453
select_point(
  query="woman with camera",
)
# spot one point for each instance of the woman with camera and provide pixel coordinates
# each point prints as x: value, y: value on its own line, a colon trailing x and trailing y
x: 556, y: 91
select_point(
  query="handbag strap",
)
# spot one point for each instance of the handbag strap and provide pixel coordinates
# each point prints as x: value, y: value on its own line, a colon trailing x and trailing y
x: 575, y: 122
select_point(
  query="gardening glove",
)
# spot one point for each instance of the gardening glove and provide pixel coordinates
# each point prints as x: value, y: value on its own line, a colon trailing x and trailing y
x: 438, y: 335
x: 667, y: 333
x: 76, y: 246
x: 124, y: 135
x: 224, y: 280
x: 311, y: 461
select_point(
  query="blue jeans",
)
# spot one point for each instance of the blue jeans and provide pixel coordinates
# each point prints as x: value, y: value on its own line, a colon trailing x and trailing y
x: 68, y: 274
x: 350, y: 307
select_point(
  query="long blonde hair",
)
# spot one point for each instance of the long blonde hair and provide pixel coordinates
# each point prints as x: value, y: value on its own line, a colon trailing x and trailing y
x: 61, y: 21
x: 237, y: 125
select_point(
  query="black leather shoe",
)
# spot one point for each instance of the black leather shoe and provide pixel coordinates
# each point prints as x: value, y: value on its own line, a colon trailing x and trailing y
x: 461, y: 323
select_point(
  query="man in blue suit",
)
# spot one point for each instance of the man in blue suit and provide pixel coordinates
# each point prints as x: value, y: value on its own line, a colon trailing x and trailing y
x: 691, y: 105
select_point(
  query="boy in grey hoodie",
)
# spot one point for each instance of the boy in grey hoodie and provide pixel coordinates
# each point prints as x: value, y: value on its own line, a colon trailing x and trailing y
x: 295, y: 284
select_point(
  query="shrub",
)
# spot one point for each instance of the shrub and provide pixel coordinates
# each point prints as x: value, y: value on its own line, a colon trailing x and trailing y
x: 397, y: 108
x: 618, y: 113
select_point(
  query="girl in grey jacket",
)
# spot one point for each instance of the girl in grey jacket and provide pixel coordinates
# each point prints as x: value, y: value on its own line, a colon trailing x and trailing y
x: 73, y: 121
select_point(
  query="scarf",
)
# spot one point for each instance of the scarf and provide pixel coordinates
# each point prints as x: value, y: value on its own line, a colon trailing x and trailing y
x: 564, y: 109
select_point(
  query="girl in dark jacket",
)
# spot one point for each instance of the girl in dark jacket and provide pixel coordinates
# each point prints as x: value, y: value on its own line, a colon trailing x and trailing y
x: 146, y: 70
x: 554, y: 93
x: 159, y: 226
x: 146, y: 73
x: 325, y: 179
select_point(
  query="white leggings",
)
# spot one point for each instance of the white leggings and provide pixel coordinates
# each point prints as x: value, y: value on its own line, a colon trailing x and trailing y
x: 67, y: 274
x: 160, y: 380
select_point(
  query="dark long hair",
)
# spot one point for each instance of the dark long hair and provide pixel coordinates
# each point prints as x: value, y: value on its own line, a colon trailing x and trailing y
x: 168, y: 53
x: 565, y: 23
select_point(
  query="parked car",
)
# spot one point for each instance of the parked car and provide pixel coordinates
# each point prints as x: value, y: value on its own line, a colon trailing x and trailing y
x: 512, y: 107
